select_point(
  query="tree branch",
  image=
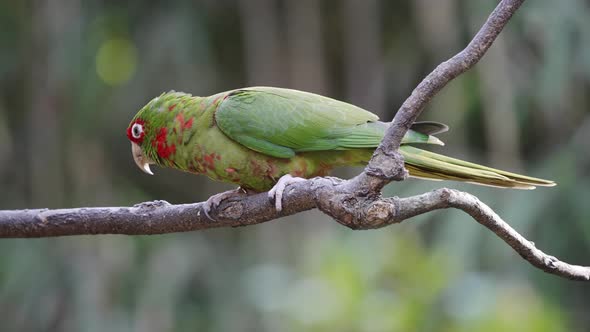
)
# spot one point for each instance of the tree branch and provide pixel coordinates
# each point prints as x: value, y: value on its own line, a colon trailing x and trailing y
x: 355, y: 203
x: 328, y: 194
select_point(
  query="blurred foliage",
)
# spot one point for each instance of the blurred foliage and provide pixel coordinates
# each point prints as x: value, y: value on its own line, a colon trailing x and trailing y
x: 73, y: 73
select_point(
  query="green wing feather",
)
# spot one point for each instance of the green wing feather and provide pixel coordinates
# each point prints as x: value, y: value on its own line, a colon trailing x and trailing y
x: 281, y: 122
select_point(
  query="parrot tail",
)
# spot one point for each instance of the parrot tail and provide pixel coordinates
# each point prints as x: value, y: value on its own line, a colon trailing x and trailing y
x: 428, y: 165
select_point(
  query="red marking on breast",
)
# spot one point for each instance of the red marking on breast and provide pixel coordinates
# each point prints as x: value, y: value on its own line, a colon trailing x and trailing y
x: 161, y: 136
x: 232, y: 175
x: 171, y: 107
x: 184, y: 124
x: 180, y: 119
x: 207, y: 161
x: 167, y: 151
x: 164, y: 150
x: 192, y: 167
x: 198, y: 165
x: 188, y: 124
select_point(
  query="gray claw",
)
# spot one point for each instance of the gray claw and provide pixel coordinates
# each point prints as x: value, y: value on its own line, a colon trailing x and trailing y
x: 277, y: 191
x: 216, y: 199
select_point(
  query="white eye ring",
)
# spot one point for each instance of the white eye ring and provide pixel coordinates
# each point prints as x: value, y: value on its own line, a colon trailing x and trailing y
x: 136, y: 130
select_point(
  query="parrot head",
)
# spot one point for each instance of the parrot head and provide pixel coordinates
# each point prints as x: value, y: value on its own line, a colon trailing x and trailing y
x: 136, y: 132
x: 148, y: 130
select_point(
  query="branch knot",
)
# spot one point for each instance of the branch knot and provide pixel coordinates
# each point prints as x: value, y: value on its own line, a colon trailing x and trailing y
x: 387, y: 166
x: 152, y: 204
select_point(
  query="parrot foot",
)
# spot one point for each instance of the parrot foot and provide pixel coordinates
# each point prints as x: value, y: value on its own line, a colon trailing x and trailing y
x: 216, y: 199
x: 277, y: 191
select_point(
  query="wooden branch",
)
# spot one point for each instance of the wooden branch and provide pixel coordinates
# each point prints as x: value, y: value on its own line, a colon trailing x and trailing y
x: 328, y: 194
x: 148, y: 218
x: 355, y: 203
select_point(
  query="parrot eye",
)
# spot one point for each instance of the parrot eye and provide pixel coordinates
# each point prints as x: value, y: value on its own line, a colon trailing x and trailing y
x: 137, y: 130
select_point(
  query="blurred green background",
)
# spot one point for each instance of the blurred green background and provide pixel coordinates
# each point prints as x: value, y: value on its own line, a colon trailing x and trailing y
x: 74, y: 72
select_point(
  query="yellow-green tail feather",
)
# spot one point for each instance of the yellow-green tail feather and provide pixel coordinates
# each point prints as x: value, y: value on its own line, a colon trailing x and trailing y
x: 428, y: 165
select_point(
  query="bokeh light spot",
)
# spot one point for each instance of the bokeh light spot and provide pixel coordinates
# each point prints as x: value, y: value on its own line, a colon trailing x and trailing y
x: 116, y: 61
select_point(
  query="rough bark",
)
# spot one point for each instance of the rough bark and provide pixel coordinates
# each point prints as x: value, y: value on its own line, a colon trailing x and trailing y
x: 355, y: 203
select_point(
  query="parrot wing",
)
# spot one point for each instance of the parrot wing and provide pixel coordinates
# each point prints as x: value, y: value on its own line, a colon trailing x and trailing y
x: 280, y: 122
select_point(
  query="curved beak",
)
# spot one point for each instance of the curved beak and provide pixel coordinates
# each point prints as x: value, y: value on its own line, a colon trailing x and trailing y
x: 141, y: 160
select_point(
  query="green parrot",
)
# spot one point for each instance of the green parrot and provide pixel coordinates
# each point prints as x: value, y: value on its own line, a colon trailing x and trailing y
x: 263, y: 138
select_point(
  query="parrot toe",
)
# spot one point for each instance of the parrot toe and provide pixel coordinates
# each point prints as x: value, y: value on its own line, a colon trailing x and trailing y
x: 277, y: 191
x: 216, y: 199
